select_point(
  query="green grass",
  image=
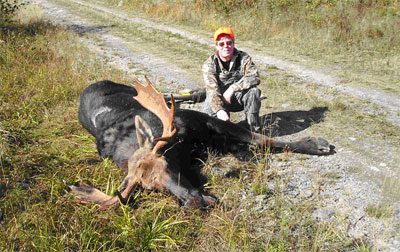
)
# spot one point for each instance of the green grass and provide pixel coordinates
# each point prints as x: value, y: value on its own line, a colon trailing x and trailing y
x: 43, y: 71
x: 380, y: 211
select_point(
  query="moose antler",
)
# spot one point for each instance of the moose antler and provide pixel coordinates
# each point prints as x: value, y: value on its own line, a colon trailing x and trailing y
x: 154, y: 101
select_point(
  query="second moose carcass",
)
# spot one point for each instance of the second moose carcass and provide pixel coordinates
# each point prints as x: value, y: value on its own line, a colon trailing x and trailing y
x: 124, y: 129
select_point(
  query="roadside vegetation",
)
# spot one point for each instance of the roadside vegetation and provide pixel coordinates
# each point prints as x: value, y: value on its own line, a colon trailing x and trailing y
x: 43, y: 70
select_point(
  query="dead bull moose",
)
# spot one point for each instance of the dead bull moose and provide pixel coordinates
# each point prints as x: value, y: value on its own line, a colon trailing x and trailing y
x: 157, y: 145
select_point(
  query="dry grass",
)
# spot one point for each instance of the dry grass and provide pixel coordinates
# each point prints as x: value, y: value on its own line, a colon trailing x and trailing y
x: 43, y: 70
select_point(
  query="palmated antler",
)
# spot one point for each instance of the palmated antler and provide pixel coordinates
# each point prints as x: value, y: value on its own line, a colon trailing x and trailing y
x: 154, y: 101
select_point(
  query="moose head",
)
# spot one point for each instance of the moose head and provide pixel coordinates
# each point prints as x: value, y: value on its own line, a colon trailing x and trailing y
x: 147, y: 167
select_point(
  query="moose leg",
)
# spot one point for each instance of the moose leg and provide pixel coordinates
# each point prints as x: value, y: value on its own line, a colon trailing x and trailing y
x: 311, y: 145
x: 307, y: 145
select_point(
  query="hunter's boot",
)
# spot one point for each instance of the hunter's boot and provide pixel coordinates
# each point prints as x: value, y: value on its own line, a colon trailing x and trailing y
x: 253, y: 120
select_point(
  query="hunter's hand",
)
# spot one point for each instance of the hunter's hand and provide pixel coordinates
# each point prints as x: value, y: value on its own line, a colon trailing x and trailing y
x: 221, y: 114
x: 228, y: 95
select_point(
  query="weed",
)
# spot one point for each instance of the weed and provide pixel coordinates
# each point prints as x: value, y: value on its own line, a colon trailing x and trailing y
x: 261, y: 189
x: 380, y: 211
x: 156, y: 231
x: 331, y: 175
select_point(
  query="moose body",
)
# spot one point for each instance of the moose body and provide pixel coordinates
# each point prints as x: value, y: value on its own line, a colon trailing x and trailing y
x: 109, y: 112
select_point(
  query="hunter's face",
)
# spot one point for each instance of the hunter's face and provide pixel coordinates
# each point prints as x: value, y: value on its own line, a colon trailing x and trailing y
x: 225, y: 47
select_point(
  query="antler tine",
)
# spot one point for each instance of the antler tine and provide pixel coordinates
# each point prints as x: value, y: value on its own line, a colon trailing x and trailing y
x: 154, y: 101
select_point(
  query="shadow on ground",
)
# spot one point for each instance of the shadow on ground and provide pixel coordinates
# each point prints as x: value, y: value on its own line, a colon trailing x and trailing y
x: 290, y: 122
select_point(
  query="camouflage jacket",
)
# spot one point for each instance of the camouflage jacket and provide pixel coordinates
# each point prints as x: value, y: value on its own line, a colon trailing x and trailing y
x: 241, y: 75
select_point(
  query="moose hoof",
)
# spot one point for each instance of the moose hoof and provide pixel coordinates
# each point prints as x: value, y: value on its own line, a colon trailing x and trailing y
x: 316, y: 146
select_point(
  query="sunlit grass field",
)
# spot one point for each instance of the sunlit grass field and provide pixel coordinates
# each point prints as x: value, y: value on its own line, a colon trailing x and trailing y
x: 43, y: 70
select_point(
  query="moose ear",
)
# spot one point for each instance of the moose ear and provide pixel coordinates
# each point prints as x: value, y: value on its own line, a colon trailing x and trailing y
x: 143, y: 133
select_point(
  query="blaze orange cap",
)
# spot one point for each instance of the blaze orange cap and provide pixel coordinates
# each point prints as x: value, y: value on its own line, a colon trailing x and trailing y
x: 223, y: 30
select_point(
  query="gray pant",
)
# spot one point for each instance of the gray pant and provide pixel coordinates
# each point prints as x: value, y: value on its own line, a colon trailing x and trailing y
x: 248, y: 100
